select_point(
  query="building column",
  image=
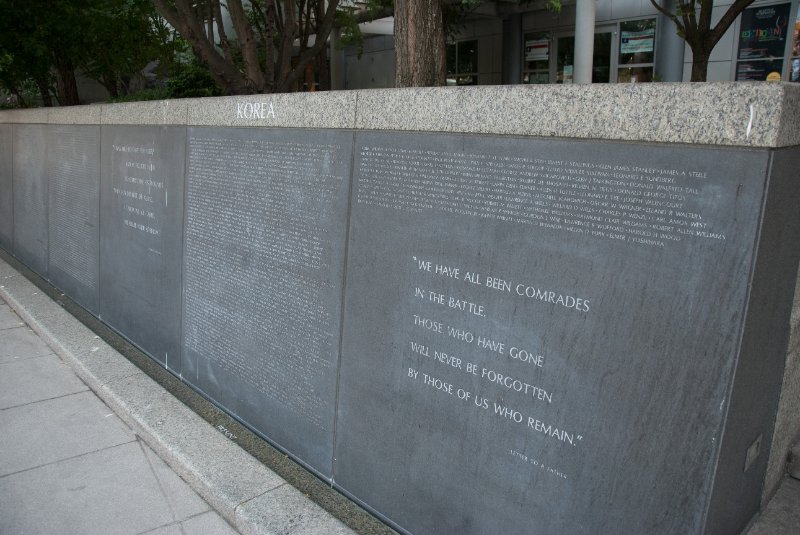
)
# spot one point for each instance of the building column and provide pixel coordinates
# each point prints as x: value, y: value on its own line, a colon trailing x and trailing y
x: 584, y: 41
x: 512, y: 49
x: 669, y: 48
x: 337, y: 61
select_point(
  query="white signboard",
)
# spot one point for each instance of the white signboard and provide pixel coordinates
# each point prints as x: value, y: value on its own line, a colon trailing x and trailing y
x: 537, y: 50
x: 635, y: 42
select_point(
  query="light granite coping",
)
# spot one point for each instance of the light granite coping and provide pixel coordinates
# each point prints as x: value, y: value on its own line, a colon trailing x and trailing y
x: 747, y: 114
x: 736, y: 114
x: 250, y: 496
x: 320, y: 109
x: 27, y: 116
x: 154, y: 112
x: 79, y: 115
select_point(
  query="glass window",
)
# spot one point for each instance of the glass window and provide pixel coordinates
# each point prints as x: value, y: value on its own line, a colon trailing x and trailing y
x: 537, y: 58
x: 762, y: 42
x: 637, y: 40
x: 794, y: 75
x: 462, y: 63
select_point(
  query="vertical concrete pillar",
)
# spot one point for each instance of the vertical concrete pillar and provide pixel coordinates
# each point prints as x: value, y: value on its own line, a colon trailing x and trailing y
x: 584, y: 41
x: 669, y: 48
x: 337, y: 61
x: 512, y: 49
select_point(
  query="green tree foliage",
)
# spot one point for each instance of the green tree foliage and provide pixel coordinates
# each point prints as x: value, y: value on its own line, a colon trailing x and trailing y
x: 186, y: 80
x: 43, y: 42
x: 126, y: 35
x: 353, y: 13
x: 25, y: 58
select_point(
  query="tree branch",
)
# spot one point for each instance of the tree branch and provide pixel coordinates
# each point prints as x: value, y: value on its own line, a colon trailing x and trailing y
x: 671, y: 16
x: 284, y: 64
x: 323, y: 30
x: 248, y: 45
x: 727, y: 19
x: 210, y: 21
x: 183, y: 19
x: 223, y: 37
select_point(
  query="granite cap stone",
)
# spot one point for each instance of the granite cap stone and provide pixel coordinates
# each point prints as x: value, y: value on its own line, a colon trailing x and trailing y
x: 158, y: 112
x: 733, y: 114
x: 27, y: 115
x: 329, y: 109
x: 89, y: 114
x: 748, y: 114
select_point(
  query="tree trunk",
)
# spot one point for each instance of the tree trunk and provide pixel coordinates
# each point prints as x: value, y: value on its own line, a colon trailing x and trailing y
x: 44, y: 91
x: 21, y: 103
x: 700, y: 65
x: 323, y: 71
x: 419, y: 43
x: 67, y: 86
x: 110, y: 83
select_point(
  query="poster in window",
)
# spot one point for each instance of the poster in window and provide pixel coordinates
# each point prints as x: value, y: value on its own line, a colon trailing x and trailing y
x: 796, y: 39
x: 537, y: 49
x: 636, y: 42
x: 763, y: 32
x: 757, y: 70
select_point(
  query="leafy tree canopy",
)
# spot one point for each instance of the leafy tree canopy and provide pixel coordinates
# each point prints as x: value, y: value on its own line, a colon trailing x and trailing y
x: 42, y: 43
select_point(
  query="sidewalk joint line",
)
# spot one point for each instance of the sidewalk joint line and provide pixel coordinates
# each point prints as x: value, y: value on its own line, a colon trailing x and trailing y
x: 140, y: 442
x: 20, y: 359
x: 112, y: 446
x: 48, y: 399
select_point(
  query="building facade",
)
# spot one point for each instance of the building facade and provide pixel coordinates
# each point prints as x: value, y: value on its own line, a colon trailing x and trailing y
x: 506, y: 43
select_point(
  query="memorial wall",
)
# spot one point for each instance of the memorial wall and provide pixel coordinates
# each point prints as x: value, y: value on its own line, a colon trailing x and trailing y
x: 464, y: 311
x: 141, y: 239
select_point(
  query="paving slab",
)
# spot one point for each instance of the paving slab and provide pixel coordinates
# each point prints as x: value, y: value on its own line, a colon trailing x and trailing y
x: 183, y: 502
x: 221, y: 472
x: 53, y: 430
x: 21, y: 343
x: 36, y: 379
x: 72, y: 496
x: 172, y: 529
x: 215, y: 467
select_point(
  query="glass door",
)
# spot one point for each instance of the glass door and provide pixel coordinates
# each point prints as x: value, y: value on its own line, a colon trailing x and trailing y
x: 601, y: 61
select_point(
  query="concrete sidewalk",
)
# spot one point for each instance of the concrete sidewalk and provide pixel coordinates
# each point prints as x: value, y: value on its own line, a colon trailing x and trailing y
x: 83, y: 433
x: 90, y: 443
x: 70, y: 465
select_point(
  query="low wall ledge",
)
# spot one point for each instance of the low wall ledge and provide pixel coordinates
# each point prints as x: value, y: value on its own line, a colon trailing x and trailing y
x: 724, y: 113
